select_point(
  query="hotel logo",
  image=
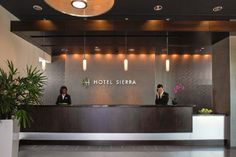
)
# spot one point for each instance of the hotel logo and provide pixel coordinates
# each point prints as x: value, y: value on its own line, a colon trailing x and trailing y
x: 86, y: 82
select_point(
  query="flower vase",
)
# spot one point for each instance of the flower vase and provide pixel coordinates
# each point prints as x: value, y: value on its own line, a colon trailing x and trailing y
x: 174, y: 101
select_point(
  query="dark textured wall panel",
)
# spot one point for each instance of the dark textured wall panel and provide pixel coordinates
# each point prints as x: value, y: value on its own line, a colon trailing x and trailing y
x: 110, y: 67
x: 193, y: 71
x: 55, y: 73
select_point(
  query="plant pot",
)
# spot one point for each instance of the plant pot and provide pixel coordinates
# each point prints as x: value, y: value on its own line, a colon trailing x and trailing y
x: 174, y: 102
x: 9, y: 135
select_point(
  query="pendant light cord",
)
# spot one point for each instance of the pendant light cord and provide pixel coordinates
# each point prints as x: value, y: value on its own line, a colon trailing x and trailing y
x: 84, y: 43
x: 167, y: 44
x: 126, y: 51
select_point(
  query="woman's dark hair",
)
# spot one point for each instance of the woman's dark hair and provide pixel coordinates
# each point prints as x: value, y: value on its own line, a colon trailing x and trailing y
x: 61, y: 89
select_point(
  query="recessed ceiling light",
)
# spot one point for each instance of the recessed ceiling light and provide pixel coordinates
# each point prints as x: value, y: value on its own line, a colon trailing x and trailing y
x: 64, y: 50
x: 37, y: 7
x: 131, y: 50
x: 158, y: 8
x: 79, y: 4
x: 202, y: 49
x: 97, y: 49
x: 217, y: 8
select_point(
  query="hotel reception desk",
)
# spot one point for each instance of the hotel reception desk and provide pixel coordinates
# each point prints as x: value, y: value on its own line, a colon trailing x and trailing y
x: 84, y: 123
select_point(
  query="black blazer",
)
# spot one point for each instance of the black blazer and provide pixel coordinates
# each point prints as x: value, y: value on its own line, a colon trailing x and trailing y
x: 66, y: 99
x: 163, y: 100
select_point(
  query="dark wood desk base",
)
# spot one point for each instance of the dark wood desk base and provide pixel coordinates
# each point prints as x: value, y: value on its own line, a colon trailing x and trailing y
x: 110, y: 119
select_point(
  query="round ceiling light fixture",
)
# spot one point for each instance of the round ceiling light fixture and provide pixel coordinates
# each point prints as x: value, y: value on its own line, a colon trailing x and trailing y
x: 79, y: 4
x: 217, y: 8
x: 37, y: 7
x: 81, y: 8
x: 158, y: 8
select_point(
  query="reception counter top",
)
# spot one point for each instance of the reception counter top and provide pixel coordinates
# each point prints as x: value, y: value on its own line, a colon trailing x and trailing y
x: 111, y: 118
x: 113, y: 105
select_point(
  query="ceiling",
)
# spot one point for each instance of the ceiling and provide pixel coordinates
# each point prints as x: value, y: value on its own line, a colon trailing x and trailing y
x: 56, y: 43
x: 133, y: 9
x: 68, y: 41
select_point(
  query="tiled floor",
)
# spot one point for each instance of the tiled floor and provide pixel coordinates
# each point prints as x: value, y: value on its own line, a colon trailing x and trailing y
x: 124, y: 151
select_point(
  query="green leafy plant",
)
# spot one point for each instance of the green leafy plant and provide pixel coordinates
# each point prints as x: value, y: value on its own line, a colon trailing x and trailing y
x: 205, y: 111
x: 16, y: 92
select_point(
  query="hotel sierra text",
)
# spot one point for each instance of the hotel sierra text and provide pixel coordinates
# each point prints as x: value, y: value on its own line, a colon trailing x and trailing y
x: 87, y: 82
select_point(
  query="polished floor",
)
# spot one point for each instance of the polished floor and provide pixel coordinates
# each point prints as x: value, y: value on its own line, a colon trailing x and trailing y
x: 124, y: 151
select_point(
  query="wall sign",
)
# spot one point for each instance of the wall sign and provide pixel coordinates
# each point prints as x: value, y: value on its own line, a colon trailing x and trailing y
x: 86, y: 82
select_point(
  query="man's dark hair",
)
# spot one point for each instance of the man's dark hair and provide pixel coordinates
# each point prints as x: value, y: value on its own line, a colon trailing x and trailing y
x: 62, y: 87
x: 159, y: 86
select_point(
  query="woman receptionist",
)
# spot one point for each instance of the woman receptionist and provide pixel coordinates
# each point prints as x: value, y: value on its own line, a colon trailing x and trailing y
x: 63, y: 98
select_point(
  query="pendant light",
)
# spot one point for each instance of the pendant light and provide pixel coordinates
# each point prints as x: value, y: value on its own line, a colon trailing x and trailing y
x: 84, y: 58
x: 167, y: 52
x: 126, y: 64
x: 126, y: 60
x: 167, y: 65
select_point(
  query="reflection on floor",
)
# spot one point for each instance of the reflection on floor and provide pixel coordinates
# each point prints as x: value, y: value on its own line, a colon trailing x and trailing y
x: 124, y: 151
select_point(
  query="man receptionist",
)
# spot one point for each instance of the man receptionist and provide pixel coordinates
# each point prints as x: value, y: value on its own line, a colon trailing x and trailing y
x: 162, y: 97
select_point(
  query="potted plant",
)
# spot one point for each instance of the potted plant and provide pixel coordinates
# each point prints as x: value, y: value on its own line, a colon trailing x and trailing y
x: 16, y: 92
x: 177, y: 89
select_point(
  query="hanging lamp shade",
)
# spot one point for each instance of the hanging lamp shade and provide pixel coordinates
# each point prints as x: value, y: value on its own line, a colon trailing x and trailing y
x: 84, y: 64
x: 81, y: 8
x: 167, y: 65
x: 126, y: 64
